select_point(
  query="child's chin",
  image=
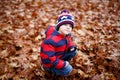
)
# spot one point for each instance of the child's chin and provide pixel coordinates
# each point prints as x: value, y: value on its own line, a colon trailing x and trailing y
x: 67, y: 33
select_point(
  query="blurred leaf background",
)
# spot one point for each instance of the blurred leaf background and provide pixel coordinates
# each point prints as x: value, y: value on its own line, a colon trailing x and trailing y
x: 96, y: 34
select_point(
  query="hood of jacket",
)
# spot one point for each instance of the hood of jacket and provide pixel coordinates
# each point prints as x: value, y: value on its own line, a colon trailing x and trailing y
x: 51, y: 31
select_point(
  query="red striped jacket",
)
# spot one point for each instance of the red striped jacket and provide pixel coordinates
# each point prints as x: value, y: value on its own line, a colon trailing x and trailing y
x: 53, y: 48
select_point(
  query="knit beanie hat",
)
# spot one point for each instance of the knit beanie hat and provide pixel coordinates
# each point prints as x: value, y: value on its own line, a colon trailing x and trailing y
x: 64, y: 18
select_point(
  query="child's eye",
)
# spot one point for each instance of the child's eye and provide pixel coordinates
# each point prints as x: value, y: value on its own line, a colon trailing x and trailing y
x: 68, y: 25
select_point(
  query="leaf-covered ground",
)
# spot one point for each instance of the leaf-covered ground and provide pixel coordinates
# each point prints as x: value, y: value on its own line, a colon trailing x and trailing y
x: 96, y: 34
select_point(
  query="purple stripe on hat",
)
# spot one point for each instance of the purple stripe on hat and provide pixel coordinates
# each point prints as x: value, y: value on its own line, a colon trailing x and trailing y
x: 67, y: 21
x: 65, y: 10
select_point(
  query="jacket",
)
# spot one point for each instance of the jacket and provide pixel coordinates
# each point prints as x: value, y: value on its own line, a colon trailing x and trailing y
x: 54, y: 47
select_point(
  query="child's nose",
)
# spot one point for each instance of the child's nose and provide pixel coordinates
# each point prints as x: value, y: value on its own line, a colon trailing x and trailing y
x: 68, y: 26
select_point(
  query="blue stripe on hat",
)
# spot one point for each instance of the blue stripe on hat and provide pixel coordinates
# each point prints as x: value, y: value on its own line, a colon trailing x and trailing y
x: 65, y: 19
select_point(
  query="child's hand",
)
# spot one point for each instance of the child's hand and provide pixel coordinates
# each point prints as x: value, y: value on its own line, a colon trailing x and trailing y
x: 67, y: 63
x: 72, y: 49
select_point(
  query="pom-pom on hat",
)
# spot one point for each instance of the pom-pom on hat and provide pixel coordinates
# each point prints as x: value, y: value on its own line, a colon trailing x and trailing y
x: 65, y: 18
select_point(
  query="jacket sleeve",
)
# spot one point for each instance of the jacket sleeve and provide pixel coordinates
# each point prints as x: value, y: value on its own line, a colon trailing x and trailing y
x: 50, y: 60
x: 71, y: 45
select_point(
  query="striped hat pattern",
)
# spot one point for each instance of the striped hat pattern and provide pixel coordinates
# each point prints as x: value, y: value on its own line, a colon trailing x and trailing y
x: 64, y: 18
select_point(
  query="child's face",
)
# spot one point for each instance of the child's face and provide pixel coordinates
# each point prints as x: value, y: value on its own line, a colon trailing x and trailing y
x: 65, y: 29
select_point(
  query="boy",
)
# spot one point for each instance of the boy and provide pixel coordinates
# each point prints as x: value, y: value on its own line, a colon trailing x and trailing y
x: 57, y: 48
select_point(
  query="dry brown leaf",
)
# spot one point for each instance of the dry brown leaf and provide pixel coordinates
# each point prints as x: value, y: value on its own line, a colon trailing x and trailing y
x: 96, y: 77
x: 4, y: 53
x: 81, y: 73
x: 91, y: 54
x: 35, y: 57
x: 22, y: 29
x: 14, y: 65
x: 3, y: 77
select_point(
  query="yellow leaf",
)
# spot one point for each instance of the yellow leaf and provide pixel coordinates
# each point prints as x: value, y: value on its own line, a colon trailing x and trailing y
x: 34, y: 49
x: 14, y: 64
x: 81, y: 72
x: 34, y: 57
x: 38, y: 38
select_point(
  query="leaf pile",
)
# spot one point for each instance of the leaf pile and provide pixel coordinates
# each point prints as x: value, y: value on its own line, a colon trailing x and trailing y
x: 96, y: 34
